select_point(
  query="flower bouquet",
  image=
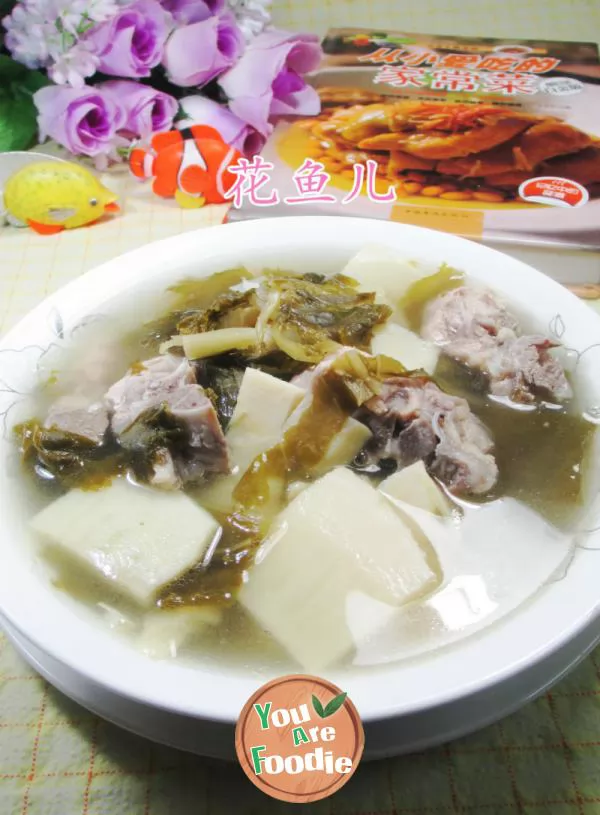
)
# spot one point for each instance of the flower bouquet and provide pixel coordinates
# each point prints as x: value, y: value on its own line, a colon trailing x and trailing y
x: 97, y: 75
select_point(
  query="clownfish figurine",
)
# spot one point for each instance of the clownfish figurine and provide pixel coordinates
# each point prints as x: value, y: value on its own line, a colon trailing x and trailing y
x: 190, y: 165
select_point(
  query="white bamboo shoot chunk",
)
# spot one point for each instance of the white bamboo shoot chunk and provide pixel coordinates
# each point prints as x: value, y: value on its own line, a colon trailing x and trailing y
x: 264, y: 403
x: 416, y: 487
x: 381, y: 269
x: 344, y: 447
x: 339, y: 539
x: 395, y: 341
x: 136, y: 539
x: 211, y: 343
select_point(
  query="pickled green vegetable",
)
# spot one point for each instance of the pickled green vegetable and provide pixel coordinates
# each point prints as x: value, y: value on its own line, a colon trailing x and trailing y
x: 67, y: 459
x: 426, y: 289
x: 349, y: 381
x: 188, y: 297
x: 313, y: 316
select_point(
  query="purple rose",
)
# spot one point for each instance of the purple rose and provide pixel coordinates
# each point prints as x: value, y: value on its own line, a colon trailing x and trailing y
x: 146, y: 111
x: 199, y: 52
x: 84, y: 120
x: 132, y: 42
x: 192, y: 11
x: 199, y: 110
x: 267, y: 81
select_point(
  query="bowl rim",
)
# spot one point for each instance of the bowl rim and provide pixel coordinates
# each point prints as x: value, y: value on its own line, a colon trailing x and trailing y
x: 521, y: 639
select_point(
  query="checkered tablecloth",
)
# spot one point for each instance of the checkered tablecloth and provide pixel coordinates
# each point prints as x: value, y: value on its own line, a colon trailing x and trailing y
x: 58, y: 759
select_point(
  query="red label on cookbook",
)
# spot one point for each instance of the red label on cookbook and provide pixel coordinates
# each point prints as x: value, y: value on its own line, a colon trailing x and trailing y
x: 558, y: 192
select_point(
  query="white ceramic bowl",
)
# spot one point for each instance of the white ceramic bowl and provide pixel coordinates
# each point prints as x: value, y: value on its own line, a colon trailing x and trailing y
x: 405, y: 706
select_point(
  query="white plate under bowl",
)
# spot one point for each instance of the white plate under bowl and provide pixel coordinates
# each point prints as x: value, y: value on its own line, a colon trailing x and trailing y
x: 404, y: 705
x: 386, y: 737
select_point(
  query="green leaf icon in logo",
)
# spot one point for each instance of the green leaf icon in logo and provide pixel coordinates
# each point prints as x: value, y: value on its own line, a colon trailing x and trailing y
x: 331, y: 707
x: 334, y: 704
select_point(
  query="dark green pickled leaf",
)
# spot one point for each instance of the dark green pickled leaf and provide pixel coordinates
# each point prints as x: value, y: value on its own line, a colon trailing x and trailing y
x: 187, y: 297
x: 314, y: 315
x: 279, y: 365
x: 69, y: 460
x: 153, y: 429
x: 218, y: 581
x: 312, y: 277
x: 230, y: 309
x: 222, y: 385
x: 275, y: 363
x: 216, y: 584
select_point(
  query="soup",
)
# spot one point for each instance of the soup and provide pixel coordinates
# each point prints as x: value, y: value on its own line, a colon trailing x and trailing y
x: 307, y: 470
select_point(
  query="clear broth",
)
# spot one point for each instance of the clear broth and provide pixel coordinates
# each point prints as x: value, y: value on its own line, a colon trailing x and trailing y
x: 542, y: 455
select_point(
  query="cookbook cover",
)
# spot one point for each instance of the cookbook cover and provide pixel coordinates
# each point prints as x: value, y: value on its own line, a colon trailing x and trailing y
x: 488, y: 139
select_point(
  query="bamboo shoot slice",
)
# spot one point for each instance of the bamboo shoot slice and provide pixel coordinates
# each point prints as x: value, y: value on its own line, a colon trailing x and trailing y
x: 135, y: 539
x: 339, y: 539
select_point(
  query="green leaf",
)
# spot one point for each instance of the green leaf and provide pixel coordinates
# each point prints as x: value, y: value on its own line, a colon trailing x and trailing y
x: 181, y: 114
x: 31, y: 82
x: 10, y: 68
x: 318, y: 706
x: 18, y: 126
x: 334, y: 705
x: 6, y: 6
x: 18, y: 114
